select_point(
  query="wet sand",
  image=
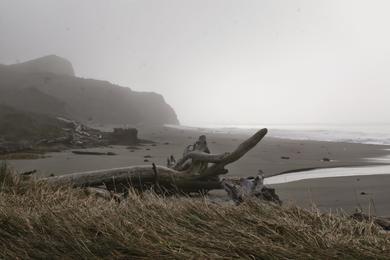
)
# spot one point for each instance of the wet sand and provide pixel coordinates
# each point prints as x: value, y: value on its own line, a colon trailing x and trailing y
x: 370, y: 192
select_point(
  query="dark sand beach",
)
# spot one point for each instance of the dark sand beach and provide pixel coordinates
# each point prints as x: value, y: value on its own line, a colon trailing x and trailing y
x: 370, y: 193
x: 326, y: 193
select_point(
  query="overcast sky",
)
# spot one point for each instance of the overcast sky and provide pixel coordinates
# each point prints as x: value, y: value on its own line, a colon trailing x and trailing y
x: 221, y: 62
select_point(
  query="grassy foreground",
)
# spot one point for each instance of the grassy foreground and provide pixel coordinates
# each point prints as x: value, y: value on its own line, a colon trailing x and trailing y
x: 38, y: 221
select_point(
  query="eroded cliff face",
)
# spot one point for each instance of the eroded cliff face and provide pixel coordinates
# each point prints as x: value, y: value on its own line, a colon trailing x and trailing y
x: 48, y: 85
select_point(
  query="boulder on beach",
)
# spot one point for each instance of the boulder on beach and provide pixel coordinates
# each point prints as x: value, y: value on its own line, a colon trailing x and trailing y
x: 124, y: 136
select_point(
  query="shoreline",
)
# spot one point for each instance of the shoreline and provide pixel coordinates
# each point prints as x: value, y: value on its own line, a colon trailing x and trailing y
x: 331, y: 172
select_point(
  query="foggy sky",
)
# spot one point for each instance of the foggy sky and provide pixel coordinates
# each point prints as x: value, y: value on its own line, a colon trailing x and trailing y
x: 220, y: 61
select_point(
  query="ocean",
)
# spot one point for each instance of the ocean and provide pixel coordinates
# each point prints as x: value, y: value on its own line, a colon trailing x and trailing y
x: 367, y: 134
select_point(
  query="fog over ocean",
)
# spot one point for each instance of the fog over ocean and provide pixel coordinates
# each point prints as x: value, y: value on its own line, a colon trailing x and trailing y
x: 365, y: 134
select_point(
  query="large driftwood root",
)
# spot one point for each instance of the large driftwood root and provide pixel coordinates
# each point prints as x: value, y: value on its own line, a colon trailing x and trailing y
x: 198, y: 170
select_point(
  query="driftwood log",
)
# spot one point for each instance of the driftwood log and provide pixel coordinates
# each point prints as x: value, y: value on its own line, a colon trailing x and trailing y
x: 198, y: 170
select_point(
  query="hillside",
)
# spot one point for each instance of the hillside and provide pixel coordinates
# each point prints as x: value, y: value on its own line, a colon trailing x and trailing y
x: 47, y: 85
x: 23, y: 127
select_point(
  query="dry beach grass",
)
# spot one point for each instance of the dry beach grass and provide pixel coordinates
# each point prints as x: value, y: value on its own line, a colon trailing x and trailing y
x: 40, y: 221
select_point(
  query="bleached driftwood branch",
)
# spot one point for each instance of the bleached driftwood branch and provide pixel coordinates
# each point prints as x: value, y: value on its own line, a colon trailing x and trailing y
x: 197, y: 170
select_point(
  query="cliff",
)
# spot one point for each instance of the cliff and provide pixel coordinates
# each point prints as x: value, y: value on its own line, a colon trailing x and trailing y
x: 47, y: 85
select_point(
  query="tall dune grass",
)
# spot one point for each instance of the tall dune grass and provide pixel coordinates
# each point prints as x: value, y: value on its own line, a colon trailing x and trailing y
x: 39, y: 221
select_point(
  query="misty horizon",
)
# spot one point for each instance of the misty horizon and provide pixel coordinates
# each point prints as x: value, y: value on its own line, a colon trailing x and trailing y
x: 221, y: 62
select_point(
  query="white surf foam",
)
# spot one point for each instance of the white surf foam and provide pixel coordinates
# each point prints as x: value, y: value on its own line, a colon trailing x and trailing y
x: 329, y: 172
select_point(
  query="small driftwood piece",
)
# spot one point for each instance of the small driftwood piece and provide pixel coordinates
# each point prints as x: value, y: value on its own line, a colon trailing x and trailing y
x: 92, y: 153
x: 198, y: 170
x: 245, y: 188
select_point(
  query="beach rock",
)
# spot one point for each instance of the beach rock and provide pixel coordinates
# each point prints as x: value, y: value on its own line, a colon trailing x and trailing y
x: 325, y: 159
x: 285, y: 158
x: 123, y: 136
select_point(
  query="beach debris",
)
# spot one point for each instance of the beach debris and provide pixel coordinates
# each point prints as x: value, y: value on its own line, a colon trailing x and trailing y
x: 246, y: 188
x: 147, y: 156
x: 93, y: 153
x: 28, y: 173
x: 325, y: 159
x: 133, y: 148
x: 197, y: 171
x: 104, y: 194
x: 285, y: 158
x: 73, y: 135
x: 200, y: 146
x: 171, y: 161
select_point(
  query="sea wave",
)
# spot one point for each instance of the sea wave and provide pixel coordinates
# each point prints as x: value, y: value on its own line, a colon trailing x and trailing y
x: 366, y: 134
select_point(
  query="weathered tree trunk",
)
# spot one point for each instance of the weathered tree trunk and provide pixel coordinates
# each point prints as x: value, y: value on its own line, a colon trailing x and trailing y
x: 197, y: 175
